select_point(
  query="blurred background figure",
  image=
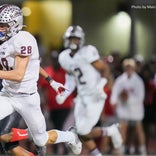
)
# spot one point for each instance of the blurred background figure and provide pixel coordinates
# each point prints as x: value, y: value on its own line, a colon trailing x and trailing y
x: 91, y: 74
x: 149, y: 121
x: 114, y: 59
x: 127, y: 96
x: 55, y: 113
x: 139, y: 60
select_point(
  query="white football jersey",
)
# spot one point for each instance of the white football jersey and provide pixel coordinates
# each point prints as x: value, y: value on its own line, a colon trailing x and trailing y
x: 87, y: 77
x: 133, y: 108
x: 23, y: 44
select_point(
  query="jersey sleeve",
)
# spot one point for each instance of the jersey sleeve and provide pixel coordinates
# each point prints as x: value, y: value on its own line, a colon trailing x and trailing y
x: 91, y: 54
x: 65, y: 61
x: 62, y: 59
x: 23, y: 44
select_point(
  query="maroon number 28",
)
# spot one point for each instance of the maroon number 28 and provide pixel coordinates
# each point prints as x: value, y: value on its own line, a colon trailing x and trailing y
x: 26, y: 49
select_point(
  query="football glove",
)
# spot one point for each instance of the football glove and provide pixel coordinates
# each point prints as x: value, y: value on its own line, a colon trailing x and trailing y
x: 58, y: 87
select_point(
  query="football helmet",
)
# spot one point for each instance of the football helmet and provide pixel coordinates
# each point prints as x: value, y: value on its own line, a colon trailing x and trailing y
x: 74, y: 31
x: 13, y: 16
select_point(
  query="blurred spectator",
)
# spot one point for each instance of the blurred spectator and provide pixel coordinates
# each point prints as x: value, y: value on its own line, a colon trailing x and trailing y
x: 154, y: 70
x: 128, y: 97
x: 150, y: 106
x: 155, y: 79
x: 114, y: 61
x: 57, y: 114
x: 139, y: 63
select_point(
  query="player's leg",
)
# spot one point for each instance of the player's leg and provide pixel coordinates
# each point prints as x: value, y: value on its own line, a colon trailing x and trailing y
x: 141, y: 137
x: 54, y: 137
x: 16, y: 150
x: 87, y: 114
x: 6, y: 126
x: 12, y: 148
x: 29, y: 108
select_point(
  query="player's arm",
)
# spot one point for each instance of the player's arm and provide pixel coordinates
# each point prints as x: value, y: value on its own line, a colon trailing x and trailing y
x: 104, y: 70
x: 44, y: 74
x: 18, y: 72
x: 58, y: 87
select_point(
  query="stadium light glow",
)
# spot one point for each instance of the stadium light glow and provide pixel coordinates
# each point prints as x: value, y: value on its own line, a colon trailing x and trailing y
x: 122, y: 20
x: 26, y: 11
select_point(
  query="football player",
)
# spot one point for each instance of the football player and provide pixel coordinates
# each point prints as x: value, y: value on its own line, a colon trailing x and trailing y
x: 19, y: 58
x: 91, y: 75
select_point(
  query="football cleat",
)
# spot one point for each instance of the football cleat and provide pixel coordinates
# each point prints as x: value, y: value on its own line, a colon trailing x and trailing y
x: 114, y: 133
x: 75, y: 146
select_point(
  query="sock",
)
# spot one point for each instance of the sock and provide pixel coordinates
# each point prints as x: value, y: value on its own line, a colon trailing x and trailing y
x: 64, y: 136
x: 123, y: 149
x: 18, y: 134
x: 104, y: 131
x: 95, y: 152
x: 142, y: 149
x: 132, y: 150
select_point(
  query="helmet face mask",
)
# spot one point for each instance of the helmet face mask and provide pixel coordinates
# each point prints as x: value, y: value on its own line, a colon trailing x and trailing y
x: 11, y: 15
x: 71, y: 33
